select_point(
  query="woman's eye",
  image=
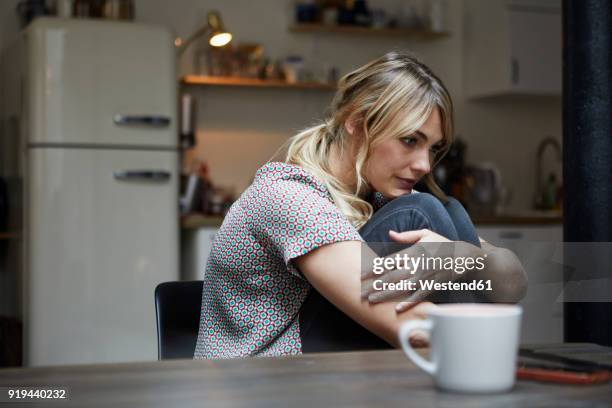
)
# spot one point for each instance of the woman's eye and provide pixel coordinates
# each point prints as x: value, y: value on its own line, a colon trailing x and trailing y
x: 409, y: 141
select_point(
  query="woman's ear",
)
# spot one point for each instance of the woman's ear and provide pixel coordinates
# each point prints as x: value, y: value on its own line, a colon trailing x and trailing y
x: 349, y: 125
x: 353, y: 126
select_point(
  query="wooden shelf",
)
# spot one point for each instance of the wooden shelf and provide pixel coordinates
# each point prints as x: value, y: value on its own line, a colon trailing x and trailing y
x: 252, y: 82
x: 400, y: 32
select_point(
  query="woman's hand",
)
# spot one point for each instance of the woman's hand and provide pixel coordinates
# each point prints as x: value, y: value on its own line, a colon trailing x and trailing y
x: 503, y: 270
x: 410, y: 298
x: 413, y: 237
x: 418, y: 338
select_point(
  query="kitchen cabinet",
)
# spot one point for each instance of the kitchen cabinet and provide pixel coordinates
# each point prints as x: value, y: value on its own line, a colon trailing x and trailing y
x: 196, y: 244
x: 540, y: 251
x: 512, y: 235
x: 512, y: 47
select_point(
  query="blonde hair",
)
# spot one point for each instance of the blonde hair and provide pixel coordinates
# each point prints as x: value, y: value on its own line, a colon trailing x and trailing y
x: 390, y: 97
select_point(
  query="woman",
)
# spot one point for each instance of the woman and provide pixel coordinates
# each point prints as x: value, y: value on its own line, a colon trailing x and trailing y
x: 283, y: 275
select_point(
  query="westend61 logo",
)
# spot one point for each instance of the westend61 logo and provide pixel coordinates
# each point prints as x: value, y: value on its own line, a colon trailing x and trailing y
x: 413, y: 264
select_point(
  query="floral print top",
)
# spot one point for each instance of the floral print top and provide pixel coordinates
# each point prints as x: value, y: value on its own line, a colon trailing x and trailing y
x: 252, y: 291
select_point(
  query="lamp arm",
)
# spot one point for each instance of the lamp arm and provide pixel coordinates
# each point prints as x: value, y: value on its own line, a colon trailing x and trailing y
x: 203, y: 30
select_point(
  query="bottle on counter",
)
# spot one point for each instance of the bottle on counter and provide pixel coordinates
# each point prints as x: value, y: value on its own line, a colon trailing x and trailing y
x: 118, y: 9
x: 205, y: 189
x: 437, y: 16
x: 361, y: 13
x: 188, y: 122
x: 83, y: 9
x: 63, y: 8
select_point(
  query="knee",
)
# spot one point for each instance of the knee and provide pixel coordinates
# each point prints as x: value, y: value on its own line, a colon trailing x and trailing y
x: 432, y: 209
x: 453, y: 203
x: 457, y: 211
x: 425, y: 202
x: 416, y: 211
x: 409, y: 212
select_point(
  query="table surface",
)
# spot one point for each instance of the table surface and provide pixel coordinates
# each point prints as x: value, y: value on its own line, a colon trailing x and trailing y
x: 358, y: 379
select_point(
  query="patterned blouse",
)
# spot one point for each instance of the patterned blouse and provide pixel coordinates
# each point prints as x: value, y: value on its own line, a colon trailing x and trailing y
x: 252, y: 291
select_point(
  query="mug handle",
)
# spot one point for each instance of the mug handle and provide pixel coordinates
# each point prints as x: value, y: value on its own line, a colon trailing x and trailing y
x: 404, y: 335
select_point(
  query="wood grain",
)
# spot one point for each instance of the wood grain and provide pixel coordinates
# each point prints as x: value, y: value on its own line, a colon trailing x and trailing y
x: 253, y: 82
x: 376, y: 379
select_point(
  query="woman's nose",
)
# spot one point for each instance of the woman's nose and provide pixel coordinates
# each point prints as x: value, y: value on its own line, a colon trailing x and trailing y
x: 421, y: 164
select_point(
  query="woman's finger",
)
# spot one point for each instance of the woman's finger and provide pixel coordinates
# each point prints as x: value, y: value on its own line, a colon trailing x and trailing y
x: 410, y: 285
x: 419, y: 338
x: 407, y: 237
x: 417, y: 309
x: 386, y: 296
x: 418, y: 342
x: 418, y: 296
x: 395, y: 277
x: 405, y: 306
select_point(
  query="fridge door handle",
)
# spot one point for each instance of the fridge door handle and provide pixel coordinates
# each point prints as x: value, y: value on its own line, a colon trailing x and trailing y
x: 142, y: 120
x: 159, y: 176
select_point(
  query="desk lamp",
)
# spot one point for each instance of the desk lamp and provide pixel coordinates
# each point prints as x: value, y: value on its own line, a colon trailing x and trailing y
x: 214, y: 28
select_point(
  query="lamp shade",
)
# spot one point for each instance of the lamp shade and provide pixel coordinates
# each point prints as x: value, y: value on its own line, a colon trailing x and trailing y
x: 218, y: 36
x: 220, y: 39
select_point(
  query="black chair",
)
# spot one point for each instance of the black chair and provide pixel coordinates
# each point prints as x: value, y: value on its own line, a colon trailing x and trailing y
x: 177, y: 308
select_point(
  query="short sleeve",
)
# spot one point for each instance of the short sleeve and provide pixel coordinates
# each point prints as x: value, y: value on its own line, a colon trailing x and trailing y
x: 295, y: 218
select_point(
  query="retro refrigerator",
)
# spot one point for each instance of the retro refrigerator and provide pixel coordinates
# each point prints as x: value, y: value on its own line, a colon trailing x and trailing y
x: 93, y: 106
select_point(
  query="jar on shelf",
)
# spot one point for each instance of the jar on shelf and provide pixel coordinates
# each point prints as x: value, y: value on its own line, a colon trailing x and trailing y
x: 83, y: 9
x: 293, y: 68
x: 118, y: 9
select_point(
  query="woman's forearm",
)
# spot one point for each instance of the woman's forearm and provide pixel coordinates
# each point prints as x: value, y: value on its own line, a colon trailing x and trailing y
x: 333, y: 270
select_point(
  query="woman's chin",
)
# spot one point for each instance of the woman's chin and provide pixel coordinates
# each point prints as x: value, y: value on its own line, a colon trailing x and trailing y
x: 397, y: 192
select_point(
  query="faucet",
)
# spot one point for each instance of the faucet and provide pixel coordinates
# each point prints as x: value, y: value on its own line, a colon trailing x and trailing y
x: 547, y: 141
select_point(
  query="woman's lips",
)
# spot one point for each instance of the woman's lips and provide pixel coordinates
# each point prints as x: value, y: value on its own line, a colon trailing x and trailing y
x: 405, y: 183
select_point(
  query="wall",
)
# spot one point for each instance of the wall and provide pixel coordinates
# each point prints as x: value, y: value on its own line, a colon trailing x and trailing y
x: 9, y: 25
x: 239, y: 129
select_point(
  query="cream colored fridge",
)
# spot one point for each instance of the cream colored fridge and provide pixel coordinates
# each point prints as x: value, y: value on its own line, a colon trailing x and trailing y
x: 96, y: 116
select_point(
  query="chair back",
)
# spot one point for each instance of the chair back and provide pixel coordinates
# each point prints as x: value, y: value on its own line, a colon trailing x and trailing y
x: 177, y: 309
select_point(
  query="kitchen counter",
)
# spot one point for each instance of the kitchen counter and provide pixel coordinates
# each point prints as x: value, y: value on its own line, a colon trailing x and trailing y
x: 531, y: 218
x: 194, y: 221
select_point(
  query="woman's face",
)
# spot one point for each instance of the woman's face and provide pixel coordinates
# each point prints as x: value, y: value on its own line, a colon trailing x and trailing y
x: 396, y: 165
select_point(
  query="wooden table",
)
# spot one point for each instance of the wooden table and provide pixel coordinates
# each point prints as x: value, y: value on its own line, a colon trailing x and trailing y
x: 363, y: 379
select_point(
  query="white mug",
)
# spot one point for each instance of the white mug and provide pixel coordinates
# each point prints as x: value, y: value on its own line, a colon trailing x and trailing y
x: 472, y: 347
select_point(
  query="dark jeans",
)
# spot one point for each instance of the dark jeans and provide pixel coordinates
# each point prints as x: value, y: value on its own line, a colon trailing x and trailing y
x: 325, y: 328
